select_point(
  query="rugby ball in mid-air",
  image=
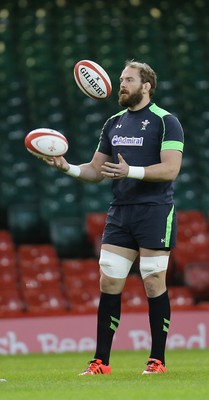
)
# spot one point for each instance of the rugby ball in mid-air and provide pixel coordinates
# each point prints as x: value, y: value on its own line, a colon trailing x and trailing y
x: 92, y: 79
x: 46, y: 142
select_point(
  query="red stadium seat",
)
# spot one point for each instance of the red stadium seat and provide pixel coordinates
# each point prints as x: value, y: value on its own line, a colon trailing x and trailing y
x: 38, y: 264
x: 47, y: 302
x: 28, y: 251
x: 76, y: 283
x: 5, y: 236
x: 192, y: 226
x: 11, y: 304
x: 38, y: 259
x: 81, y: 284
x: 186, y: 253
x: 196, y: 277
x: 80, y: 275
x: 191, y: 217
x: 180, y: 297
x: 41, y: 281
x: 134, y: 296
x: 6, y: 243
x: 133, y: 282
x: 82, y: 266
x: 8, y: 261
x: 84, y: 301
x: 95, y: 223
x: 192, y: 241
x: 8, y: 279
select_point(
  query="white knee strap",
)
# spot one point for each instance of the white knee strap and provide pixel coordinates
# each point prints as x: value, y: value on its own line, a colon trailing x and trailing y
x: 114, y: 265
x: 153, y: 265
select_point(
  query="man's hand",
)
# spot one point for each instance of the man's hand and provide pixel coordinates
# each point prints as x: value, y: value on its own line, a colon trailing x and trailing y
x: 115, y: 171
x: 57, y: 162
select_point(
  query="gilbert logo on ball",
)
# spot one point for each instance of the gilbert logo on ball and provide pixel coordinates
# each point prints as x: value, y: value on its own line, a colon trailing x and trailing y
x: 46, y: 142
x: 92, y: 79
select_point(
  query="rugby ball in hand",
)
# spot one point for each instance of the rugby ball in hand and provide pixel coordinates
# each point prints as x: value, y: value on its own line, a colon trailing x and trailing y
x: 92, y: 79
x: 46, y: 142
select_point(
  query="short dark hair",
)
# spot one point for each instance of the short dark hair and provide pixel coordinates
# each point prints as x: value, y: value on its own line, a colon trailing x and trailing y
x: 146, y: 73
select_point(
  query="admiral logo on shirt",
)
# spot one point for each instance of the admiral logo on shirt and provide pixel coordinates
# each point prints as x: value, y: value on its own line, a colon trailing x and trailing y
x: 127, y: 141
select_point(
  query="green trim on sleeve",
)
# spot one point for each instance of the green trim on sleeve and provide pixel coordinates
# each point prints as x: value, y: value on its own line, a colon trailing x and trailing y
x: 158, y: 111
x: 172, y: 145
x: 161, y: 113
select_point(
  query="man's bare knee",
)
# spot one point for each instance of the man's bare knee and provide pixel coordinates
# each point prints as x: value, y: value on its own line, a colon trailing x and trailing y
x: 155, y: 284
x: 111, y: 285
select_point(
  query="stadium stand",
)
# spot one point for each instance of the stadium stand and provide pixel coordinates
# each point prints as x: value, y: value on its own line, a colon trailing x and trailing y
x: 196, y: 278
x: 40, y: 42
x: 134, y: 297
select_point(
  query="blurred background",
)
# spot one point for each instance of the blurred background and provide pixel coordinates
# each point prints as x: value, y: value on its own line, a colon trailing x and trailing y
x: 44, y: 211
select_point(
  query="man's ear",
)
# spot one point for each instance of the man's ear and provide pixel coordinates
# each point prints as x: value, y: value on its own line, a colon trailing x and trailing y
x: 147, y: 86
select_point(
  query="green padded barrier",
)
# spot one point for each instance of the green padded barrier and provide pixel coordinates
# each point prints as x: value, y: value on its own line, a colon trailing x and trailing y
x: 67, y: 235
x: 24, y: 223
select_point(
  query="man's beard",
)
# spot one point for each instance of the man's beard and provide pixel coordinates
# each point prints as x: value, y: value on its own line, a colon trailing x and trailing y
x: 131, y: 100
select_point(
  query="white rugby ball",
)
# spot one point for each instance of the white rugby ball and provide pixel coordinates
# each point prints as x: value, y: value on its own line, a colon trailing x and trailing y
x: 92, y: 79
x: 46, y: 142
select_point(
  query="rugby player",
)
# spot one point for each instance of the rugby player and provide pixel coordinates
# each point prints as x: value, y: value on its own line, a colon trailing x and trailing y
x: 140, y: 150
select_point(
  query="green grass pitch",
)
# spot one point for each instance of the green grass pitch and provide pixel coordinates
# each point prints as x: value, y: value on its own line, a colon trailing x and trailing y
x: 55, y: 377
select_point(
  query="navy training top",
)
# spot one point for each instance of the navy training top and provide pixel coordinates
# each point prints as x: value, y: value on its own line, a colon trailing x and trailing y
x: 140, y: 136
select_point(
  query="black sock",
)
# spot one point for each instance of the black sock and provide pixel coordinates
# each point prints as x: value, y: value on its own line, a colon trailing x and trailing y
x: 107, y: 322
x: 159, y: 317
